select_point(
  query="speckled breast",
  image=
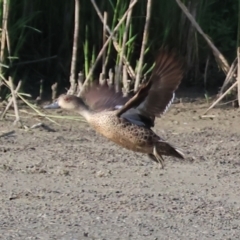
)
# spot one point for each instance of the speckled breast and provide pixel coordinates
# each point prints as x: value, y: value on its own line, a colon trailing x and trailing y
x: 124, y: 133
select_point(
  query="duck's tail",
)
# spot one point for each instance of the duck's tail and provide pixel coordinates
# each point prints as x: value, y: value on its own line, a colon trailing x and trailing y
x: 165, y: 148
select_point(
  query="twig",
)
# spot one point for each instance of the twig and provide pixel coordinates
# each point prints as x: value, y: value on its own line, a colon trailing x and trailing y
x: 104, y: 53
x: 36, y: 110
x: 110, y: 77
x: 11, y: 101
x: 17, y: 120
x: 80, y: 81
x: 208, y: 116
x: 44, y: 126
x: 33, y: 61
x: 225, y: 103
x: 102, y: 78
x: 144, y: 43
x: 221, y: 97
x: 77, y: 118
x: 230, y: 74
x: 64, y: 117
x: 205, y: 71
x: 117, y: 78
x: 126, y: 62
x: 39, y: 97
x: 7, y: 134
x: 72, y: 79
x: 218, y: 55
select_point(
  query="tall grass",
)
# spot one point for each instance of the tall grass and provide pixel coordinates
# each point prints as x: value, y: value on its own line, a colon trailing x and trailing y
x: 41, y: 38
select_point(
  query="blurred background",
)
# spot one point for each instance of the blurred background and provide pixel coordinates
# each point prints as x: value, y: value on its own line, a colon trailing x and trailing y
x: 37, y: 39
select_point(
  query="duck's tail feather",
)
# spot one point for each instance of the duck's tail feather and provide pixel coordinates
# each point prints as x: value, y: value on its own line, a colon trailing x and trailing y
x: 165, y: 148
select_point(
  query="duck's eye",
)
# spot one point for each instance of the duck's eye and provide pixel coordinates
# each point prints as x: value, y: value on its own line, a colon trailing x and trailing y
x: 67, y: 99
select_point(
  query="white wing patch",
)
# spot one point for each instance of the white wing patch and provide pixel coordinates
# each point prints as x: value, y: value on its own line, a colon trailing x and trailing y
x: 118, y: 107
x: 142, y: 105
x: 169, y: 104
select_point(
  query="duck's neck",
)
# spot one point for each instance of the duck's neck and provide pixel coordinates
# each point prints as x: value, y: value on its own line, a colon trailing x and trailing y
x: 85, y: 112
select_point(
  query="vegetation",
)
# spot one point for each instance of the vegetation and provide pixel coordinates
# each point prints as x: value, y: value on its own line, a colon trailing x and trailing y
x: 39, y: 39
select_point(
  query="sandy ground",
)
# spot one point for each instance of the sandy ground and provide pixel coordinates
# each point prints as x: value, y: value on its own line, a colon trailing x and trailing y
x: 74, y: 184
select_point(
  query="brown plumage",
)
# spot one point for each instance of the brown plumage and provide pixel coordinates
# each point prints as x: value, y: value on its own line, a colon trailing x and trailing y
x: 102, y: 97
x: 128, y: 121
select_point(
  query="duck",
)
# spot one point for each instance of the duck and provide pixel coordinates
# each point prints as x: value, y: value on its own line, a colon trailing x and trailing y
x: 128, y: 121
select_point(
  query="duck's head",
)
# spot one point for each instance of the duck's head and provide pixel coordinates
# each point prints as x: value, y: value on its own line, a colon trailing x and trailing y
x: 68, y: 102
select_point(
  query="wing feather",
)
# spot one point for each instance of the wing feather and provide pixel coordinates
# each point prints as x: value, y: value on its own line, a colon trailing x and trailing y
x: 155, y: 96
x: 102, y: 97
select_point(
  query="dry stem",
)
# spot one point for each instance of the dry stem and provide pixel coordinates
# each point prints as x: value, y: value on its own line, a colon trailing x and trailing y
x: 230, y: 75
x: 144, y: 43
x: 11, y: 101
x: 14, y: 98
x: 54, y: 90
x: 72, y: 79
x: 4, y: 35
x: 221, y: 97
x: 238, y: 75
x: 104, y: 53
x: 126, y: 82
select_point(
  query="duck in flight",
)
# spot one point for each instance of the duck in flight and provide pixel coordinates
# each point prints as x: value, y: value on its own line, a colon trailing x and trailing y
x: 128, y: 121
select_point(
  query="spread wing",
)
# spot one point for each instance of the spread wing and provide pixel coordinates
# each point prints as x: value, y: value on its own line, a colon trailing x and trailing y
x: 155, y: 97
x: 165, y: 79
x: 102, y: 97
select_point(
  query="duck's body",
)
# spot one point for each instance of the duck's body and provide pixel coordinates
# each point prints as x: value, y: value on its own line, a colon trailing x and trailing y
x: 125, y: 133
x: 130, y: 125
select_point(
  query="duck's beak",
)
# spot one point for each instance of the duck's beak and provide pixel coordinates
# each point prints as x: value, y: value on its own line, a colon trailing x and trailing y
x: 54, y: 105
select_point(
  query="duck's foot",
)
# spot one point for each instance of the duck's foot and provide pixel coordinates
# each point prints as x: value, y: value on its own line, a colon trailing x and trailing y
x: 156, y: 158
